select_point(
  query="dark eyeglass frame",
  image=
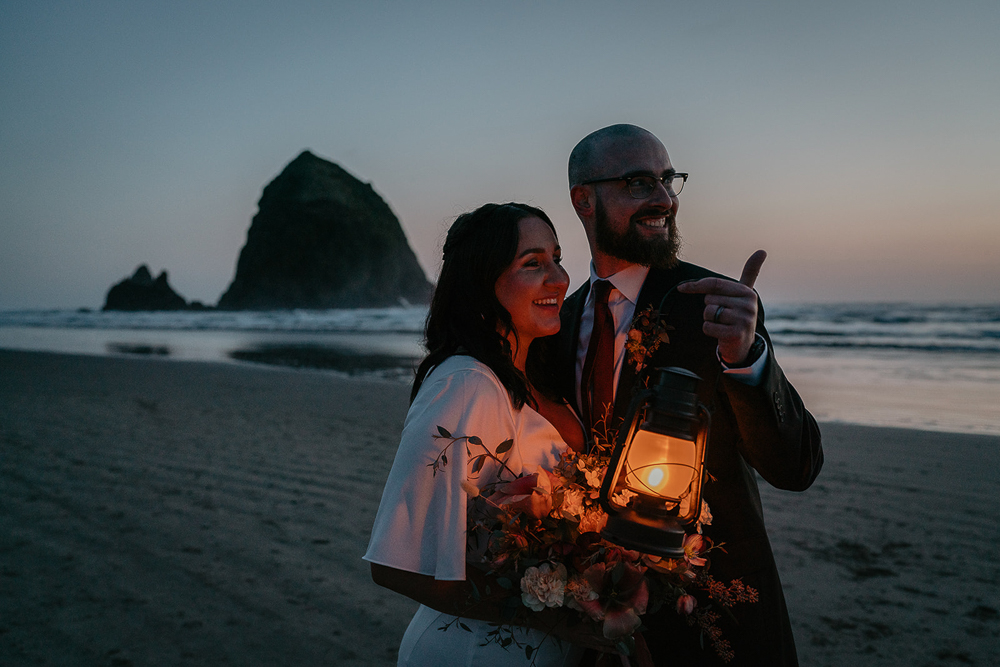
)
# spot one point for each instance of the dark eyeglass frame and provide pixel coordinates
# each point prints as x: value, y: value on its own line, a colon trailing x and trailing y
x: 632, y: 178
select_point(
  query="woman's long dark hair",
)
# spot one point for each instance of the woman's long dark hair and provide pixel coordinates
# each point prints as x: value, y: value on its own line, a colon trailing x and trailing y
x: 465, y: 315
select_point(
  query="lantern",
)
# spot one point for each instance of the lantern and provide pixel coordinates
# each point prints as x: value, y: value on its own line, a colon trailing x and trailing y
x: 652, y: 488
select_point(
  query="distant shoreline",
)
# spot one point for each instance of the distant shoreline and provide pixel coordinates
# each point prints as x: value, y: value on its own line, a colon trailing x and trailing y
x: 931, y: 367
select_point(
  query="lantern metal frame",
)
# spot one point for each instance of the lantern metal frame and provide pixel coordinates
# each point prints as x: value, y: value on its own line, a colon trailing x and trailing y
x: 653, y: 523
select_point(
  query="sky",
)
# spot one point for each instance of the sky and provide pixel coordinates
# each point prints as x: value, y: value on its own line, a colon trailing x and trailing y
x: 858, y: 142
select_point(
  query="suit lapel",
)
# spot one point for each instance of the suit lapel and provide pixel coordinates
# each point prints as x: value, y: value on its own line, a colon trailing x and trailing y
x: 569, y: 340
x: 631, y: 379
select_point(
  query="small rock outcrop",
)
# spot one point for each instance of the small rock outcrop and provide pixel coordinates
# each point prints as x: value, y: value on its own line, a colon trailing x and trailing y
x: 323, y: 239
x: 141, y: 292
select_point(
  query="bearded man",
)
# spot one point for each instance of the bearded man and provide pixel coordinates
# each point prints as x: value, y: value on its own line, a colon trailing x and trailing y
x: 625, y: 191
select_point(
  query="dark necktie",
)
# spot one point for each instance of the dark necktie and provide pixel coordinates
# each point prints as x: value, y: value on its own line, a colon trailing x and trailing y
x: 597, y: 382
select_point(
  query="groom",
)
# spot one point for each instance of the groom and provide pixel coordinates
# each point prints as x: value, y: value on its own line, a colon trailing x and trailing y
x: 624, y: 190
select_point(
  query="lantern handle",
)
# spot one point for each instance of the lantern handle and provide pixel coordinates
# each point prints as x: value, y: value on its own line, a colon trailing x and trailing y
x: 671, y: 292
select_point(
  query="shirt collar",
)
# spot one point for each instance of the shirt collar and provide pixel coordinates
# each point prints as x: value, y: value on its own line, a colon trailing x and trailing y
x: 628, y: 281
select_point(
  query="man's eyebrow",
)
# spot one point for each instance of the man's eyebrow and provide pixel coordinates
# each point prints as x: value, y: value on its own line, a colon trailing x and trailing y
x: 646, y: 172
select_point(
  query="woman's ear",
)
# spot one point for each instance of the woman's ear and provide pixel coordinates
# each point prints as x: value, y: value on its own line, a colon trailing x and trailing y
x: 583, y: 201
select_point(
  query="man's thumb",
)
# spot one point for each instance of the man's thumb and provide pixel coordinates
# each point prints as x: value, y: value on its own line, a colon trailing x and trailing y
x: 752, y: 268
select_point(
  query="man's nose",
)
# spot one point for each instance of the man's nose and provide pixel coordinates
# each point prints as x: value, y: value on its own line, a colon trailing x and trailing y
x: 661, y: 195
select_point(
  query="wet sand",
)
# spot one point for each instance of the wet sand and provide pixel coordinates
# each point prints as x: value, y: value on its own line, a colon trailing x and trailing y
x: 160, y: 512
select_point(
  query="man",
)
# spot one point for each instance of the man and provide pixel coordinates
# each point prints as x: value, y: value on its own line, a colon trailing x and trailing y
x: 624, y: 190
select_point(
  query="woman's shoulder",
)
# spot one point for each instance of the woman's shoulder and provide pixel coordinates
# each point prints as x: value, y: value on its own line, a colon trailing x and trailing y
x: 463, y: 396
x: 465, y: 369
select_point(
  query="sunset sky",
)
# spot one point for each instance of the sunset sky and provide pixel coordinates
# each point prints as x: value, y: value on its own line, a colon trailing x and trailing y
x: 857, y: 142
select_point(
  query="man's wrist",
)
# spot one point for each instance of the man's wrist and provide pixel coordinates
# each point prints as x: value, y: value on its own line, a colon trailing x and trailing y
x: 753, y: 373
x: 757, y: 348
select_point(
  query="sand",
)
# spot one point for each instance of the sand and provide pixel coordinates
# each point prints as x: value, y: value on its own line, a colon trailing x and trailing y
x: 171, y: 513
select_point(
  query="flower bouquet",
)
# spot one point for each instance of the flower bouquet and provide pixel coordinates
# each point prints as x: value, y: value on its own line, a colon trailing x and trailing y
x: 538, y: 534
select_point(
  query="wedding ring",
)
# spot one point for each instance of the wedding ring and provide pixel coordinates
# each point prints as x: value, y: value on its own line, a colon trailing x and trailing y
x: 718, y: 314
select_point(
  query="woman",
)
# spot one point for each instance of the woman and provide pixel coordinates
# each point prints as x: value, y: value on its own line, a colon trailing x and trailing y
x: 500, y: 288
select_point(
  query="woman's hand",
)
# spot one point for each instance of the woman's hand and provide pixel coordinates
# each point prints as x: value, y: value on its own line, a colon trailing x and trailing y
x: 456, y: 598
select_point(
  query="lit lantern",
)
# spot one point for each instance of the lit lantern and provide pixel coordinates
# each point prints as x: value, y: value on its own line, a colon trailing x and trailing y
x: 653, y: 485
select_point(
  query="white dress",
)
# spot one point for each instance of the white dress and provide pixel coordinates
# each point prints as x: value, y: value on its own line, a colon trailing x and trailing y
x: 421, y: 522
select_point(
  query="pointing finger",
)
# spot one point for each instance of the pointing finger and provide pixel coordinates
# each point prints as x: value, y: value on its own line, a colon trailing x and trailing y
x: 752, y: 268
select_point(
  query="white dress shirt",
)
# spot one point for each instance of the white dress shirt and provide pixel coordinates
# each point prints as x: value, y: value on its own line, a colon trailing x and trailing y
x: 626, y: 285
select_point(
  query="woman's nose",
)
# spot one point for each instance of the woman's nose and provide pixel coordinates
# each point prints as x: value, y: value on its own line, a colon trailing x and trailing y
x: 557, y: 276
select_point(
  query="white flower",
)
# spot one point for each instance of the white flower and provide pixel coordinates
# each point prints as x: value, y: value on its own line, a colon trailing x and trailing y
x: 705, y: 519
x: 594, y: 477
x: 593, y: 521
x: 543, y: 586
x: 578, y: 590
x: 470, y: 488
x: 623, y: 497
x: 572, y: 502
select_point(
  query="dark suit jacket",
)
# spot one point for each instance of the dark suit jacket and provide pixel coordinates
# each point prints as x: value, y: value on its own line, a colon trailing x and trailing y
x: 764, y: 429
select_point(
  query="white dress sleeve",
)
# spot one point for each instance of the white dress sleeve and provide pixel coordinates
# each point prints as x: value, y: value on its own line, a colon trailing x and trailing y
x: 421, y: 522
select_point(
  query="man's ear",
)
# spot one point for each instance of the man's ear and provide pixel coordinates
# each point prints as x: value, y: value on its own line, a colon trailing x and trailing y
x: 583, y: 200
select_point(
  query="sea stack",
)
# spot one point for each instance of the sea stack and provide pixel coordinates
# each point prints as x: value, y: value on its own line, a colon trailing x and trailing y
x: 323, y: 239
x: 141, y: 292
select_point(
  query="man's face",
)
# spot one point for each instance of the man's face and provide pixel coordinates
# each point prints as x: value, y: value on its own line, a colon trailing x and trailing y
x: 639, y: 231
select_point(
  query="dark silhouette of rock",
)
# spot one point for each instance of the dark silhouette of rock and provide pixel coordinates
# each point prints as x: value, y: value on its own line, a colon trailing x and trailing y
x: 141, y: 292
x: 323, y: 239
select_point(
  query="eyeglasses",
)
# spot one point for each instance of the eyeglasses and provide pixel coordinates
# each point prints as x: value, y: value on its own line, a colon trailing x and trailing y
x: 642, y: 185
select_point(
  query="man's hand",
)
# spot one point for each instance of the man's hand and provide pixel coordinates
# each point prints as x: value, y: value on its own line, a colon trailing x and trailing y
x: 730, y: 309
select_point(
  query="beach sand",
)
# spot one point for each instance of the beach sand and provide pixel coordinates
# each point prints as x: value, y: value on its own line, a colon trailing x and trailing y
x: 171, y: 513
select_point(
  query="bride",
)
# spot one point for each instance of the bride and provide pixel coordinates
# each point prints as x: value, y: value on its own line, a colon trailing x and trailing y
x: 500, y: 288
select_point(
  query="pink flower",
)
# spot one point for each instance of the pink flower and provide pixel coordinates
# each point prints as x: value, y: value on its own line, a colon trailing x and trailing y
x: 624, y: 600
x: 686, y: 604
x: 531, y: 494
x: 694, y: 546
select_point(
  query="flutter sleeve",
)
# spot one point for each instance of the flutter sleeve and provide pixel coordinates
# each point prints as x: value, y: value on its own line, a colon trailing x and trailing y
x: 421, y: 522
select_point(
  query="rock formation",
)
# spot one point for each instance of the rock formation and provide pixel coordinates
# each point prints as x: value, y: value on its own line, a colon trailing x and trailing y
x: 141, y: 292
x: 323, y: 239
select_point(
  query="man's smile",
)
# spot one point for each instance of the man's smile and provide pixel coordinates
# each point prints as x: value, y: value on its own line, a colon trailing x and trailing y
x: 653, y: 222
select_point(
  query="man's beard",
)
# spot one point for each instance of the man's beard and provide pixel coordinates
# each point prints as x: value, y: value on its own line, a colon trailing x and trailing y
x: 632, y: 246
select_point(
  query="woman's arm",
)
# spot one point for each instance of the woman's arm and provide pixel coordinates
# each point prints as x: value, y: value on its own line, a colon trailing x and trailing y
x: 456, y: 598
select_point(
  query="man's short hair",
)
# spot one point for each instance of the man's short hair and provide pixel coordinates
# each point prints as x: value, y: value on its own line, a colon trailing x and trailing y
x: 585, y: 162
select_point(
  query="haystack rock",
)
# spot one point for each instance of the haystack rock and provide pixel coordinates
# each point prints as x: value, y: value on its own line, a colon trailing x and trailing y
x: 141, y: 292
x: 323, y: 239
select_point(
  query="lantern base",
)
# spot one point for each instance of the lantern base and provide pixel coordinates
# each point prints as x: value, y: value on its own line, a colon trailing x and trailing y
x: 660, y: 536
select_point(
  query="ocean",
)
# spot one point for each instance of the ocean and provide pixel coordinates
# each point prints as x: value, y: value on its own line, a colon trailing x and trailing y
x: 932, y: 367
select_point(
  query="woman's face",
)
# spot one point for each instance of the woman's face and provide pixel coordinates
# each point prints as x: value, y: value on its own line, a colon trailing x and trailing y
x: 532, y: 288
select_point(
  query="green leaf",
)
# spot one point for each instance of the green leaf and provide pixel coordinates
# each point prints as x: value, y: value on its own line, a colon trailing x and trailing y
x: 444, y: 459
x: 528, y: 650
x: 504, y: 446
x: 505, y: 583
x: 474, y: 439
x: 464, y: 626
x: 477, y: 463
x: 444, y: 433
